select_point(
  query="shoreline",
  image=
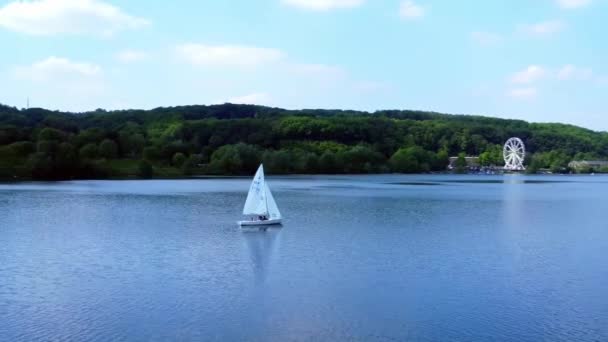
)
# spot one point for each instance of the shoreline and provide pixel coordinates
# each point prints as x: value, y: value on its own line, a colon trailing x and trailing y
x: 292, y: 175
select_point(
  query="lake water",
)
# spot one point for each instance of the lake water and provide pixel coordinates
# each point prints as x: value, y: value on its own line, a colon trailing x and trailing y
x: 362, y: 258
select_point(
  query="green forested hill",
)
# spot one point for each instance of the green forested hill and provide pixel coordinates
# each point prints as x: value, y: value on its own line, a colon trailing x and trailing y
x: 233, y: 139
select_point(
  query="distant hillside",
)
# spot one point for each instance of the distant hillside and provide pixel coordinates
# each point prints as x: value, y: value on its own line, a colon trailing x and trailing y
x: 233, y: 139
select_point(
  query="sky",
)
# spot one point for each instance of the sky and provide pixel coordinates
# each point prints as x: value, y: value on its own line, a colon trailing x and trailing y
x: 537, y: 60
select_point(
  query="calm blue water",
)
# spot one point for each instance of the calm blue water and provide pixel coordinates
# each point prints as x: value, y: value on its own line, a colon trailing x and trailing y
x: 424, y: 258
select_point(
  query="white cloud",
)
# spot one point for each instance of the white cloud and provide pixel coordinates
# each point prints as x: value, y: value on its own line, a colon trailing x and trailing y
x: 573, y: 4
x: 254, y: 98
x: 485, y: 38
x: 268, y: 76
x: 57, y: 69
x: 410, y: 10
x: 572, y: 72
x: 531, y: 74
x: 61, y: 83
x: 542, y: 29
x: 228, y: 55
x: 323, y: 5
x: 522, y: 93
x: 52, y: 17
x: 131, y: 56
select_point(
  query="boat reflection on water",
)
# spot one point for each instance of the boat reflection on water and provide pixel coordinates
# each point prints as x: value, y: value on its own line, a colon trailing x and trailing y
x: 262, y: 243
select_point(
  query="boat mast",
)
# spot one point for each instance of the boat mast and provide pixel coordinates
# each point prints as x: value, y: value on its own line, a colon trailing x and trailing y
x: 266, y: 197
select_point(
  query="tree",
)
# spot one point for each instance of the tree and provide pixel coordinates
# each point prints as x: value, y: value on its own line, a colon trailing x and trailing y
x: 556, y: 161
x: 328, y: 163
x: 40, y: 166
x: 407, y: 160
x: 362, y: 159
x: 536, y: 163
x: 415, y: 159
x: 442, y: 161
x: 8, y: 134
x: 461, y: 163
x: 131, y: 143
x: 235, y: 159
x: 21, y: 149
x: 178, y: 159
x: 484, y: 159
x: 88, y: 136
x: 108, y: 149
x: 277, y: 162
x: 66, y: 161
x: 191, y: 165
x: 311, y: 163
x: 15, y: 154
x: 145, y: 169
x: 51, y: 134
x: 48, y: 147
x: 492, y: 156
x: 88, y: 151
x: 151, y: 153
x: 404, y: 161
x: 233, y: 139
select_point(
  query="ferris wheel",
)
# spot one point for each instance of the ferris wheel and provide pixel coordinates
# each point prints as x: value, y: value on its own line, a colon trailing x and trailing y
x: 514, y: 153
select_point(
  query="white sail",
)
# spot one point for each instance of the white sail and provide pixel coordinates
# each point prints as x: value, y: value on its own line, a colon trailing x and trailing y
x: 256, y: 203
x: 273, y: 210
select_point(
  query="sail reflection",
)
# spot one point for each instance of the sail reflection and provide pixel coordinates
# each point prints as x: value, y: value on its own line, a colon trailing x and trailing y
x: 261, y: 243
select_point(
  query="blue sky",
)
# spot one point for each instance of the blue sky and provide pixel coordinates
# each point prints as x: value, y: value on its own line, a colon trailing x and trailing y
x: 538, y: 60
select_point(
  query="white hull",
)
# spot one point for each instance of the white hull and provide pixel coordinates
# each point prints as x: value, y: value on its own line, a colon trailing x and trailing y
x: 259, y: 223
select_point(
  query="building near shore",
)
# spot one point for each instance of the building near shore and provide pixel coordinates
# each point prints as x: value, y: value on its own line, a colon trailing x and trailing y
x: 588, y: 164
x: 472, y: 162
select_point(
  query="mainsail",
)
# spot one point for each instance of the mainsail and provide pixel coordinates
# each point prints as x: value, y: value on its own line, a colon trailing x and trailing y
x: 256, y: 203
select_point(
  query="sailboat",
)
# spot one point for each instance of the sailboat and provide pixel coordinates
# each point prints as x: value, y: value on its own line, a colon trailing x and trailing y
x: 260, y: 205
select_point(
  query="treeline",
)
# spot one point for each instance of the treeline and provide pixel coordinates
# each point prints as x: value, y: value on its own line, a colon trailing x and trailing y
x: 234, y: 139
